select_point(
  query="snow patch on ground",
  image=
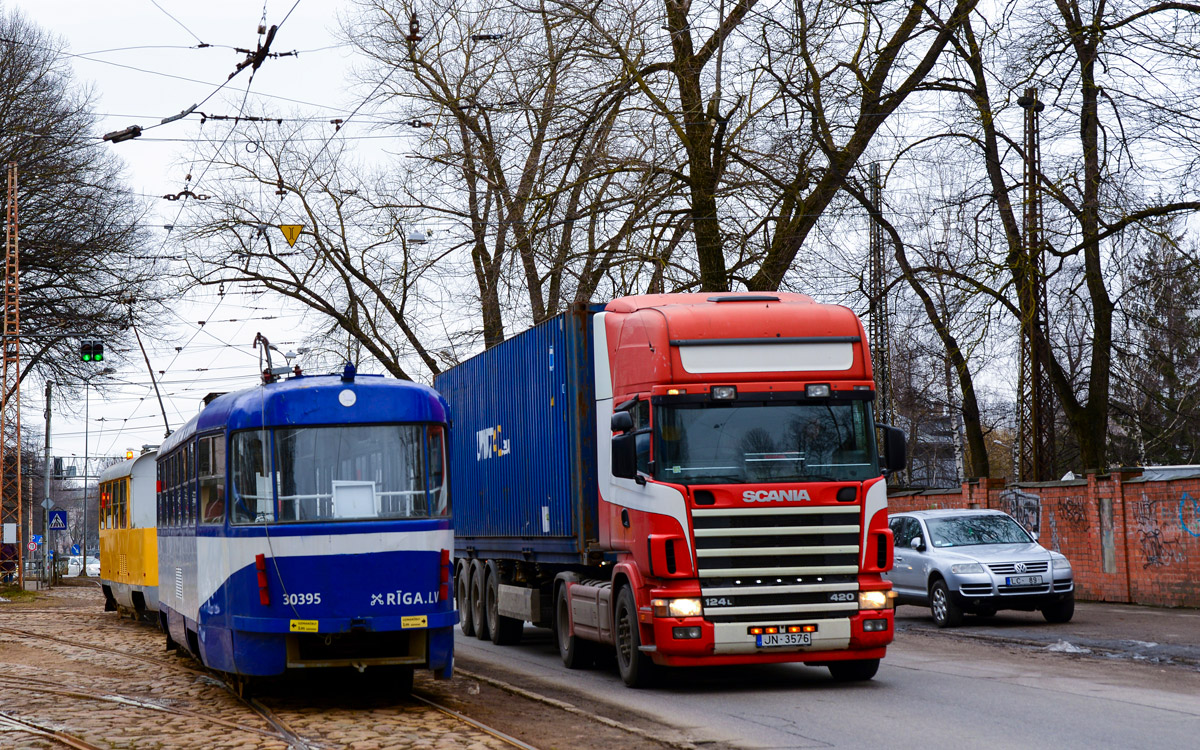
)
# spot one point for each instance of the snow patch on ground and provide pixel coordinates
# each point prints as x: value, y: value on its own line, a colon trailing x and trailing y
x: 1068, y: 648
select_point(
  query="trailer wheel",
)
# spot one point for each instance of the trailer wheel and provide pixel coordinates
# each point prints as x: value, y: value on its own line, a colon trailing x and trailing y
x: 635, y: 667
x: 462, y: 592
x: 504, y: 630
x: 576, y: 653
x: 478, y: 615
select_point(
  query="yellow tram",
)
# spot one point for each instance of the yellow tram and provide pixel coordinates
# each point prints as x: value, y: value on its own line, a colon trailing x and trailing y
x: 128, y: 536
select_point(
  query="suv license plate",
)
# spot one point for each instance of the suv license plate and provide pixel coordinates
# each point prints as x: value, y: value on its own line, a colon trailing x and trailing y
x: 784, y: 639
x: 1024, y: 580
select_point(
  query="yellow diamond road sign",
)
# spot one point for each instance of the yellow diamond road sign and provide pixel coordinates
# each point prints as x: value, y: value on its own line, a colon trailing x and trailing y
x: 291, y: 232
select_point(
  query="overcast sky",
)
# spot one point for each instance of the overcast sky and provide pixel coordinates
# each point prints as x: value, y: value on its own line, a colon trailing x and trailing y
x: 143, y: 62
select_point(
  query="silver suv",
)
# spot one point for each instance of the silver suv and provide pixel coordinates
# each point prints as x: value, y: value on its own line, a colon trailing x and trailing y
x: 976, y: 561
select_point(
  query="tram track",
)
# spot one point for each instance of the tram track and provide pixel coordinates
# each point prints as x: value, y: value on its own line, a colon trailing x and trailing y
x: 104, y: 649
x: 11, y: 723
x: 46, y: 687
x: 280, y: 727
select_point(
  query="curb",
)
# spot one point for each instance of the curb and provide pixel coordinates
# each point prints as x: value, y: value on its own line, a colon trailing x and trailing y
x: 570, y: 708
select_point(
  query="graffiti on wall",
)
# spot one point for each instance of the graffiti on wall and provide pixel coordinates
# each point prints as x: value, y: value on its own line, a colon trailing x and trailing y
x: 1189, y: 514
x: 1072, y: 509
x: 1026, y: 507
x: 1160, y: 544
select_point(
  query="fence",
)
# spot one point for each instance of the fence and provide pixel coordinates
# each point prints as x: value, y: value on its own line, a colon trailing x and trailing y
x: 1130, y: 538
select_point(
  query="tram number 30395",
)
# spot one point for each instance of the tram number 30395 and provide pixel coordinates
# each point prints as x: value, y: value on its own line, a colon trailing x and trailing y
x: 293, y: 600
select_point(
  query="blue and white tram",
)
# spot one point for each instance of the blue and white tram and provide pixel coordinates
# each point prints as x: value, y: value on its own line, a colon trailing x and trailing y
x: 306, y: 523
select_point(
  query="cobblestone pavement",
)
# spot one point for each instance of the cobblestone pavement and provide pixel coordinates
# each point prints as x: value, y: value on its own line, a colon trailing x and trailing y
x: 136, y: 694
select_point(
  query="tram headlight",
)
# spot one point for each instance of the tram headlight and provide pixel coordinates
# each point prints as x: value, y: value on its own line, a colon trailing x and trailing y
x: 676, y: 607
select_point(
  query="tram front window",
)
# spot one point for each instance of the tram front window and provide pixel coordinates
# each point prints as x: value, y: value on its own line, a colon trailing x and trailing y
x: 339, y: 473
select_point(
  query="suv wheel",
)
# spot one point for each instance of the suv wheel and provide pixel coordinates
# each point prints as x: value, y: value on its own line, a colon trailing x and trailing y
x: 1061, y: 611
x: 946, y: 614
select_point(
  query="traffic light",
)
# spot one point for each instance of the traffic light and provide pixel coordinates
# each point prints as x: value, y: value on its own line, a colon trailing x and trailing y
x: 91, y: 350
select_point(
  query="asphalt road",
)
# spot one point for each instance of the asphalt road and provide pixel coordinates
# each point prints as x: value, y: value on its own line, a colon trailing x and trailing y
x: 1117, y: 631
x: 1004, y: 683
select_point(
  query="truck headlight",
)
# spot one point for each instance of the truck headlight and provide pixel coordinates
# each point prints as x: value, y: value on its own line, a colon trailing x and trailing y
x: 875, y: 599
x: 966, y: 568
x: 676, y: 607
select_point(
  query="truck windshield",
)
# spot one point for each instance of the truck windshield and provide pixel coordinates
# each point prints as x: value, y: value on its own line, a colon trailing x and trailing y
x: 338, y: 473
x: 757, y: 442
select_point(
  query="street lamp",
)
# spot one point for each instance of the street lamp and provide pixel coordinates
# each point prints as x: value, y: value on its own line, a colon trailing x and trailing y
x: 83, y: 548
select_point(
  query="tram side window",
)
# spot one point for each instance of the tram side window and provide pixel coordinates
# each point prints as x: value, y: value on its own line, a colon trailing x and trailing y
x: 122, y: 519
x: 210, y: 467
x: 439, y: 490
x: 173, y: 466
x: 181, y: 484
x: 249, y: 459
x: 189, y: 482
x: 185, y: 484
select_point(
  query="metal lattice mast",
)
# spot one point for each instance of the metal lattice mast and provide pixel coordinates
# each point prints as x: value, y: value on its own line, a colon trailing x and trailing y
x: 879, y: 328
x: 10, y: 409
x: 1035, y: 397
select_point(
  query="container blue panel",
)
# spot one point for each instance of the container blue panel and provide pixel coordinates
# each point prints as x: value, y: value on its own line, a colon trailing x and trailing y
x: 522, y: 455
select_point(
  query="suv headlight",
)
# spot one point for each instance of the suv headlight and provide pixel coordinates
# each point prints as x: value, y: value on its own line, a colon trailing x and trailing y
x: 1061, y: 563
x: 966, y: 568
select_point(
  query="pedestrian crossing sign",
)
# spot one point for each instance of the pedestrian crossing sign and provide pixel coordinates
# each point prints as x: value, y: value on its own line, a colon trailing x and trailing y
x: 58, y: 520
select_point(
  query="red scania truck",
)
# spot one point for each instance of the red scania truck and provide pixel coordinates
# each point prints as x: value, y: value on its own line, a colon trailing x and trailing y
x: 688, y: 479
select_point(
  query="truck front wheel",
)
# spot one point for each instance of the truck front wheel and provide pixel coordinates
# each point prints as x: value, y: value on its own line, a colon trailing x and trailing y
x: 853, y: 671
x: 635, y: 667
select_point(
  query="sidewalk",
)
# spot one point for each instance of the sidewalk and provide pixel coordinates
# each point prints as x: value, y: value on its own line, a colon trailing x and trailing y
x: 1153, y: 634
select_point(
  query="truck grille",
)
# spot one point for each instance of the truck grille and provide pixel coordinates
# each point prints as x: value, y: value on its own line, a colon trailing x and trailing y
x: 777, y: 564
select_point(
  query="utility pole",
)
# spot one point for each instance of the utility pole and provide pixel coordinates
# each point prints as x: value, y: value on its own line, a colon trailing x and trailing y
x: 880, y: 333
x: 1035, y: 397
x: 10, y: 410
x: 46, y: 501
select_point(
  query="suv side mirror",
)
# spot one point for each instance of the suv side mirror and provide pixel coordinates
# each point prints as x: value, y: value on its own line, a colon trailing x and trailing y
x: 917, y: 543
x: 895, y: 455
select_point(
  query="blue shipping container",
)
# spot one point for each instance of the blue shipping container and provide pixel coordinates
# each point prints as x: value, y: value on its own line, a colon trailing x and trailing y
x: 522, y: 444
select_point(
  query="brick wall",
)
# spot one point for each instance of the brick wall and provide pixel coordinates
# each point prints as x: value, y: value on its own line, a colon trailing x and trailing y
x: 1128, y: 539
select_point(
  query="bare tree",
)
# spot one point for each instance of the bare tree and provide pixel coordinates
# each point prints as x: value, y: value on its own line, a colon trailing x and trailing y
x: 353, y: 263
x: 84, y: 264
x: 526, y: 155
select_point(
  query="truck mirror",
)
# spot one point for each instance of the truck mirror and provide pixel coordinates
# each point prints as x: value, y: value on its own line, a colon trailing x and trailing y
x: 895, y: 448
x: 624, y: 455
x: 622, y: 421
